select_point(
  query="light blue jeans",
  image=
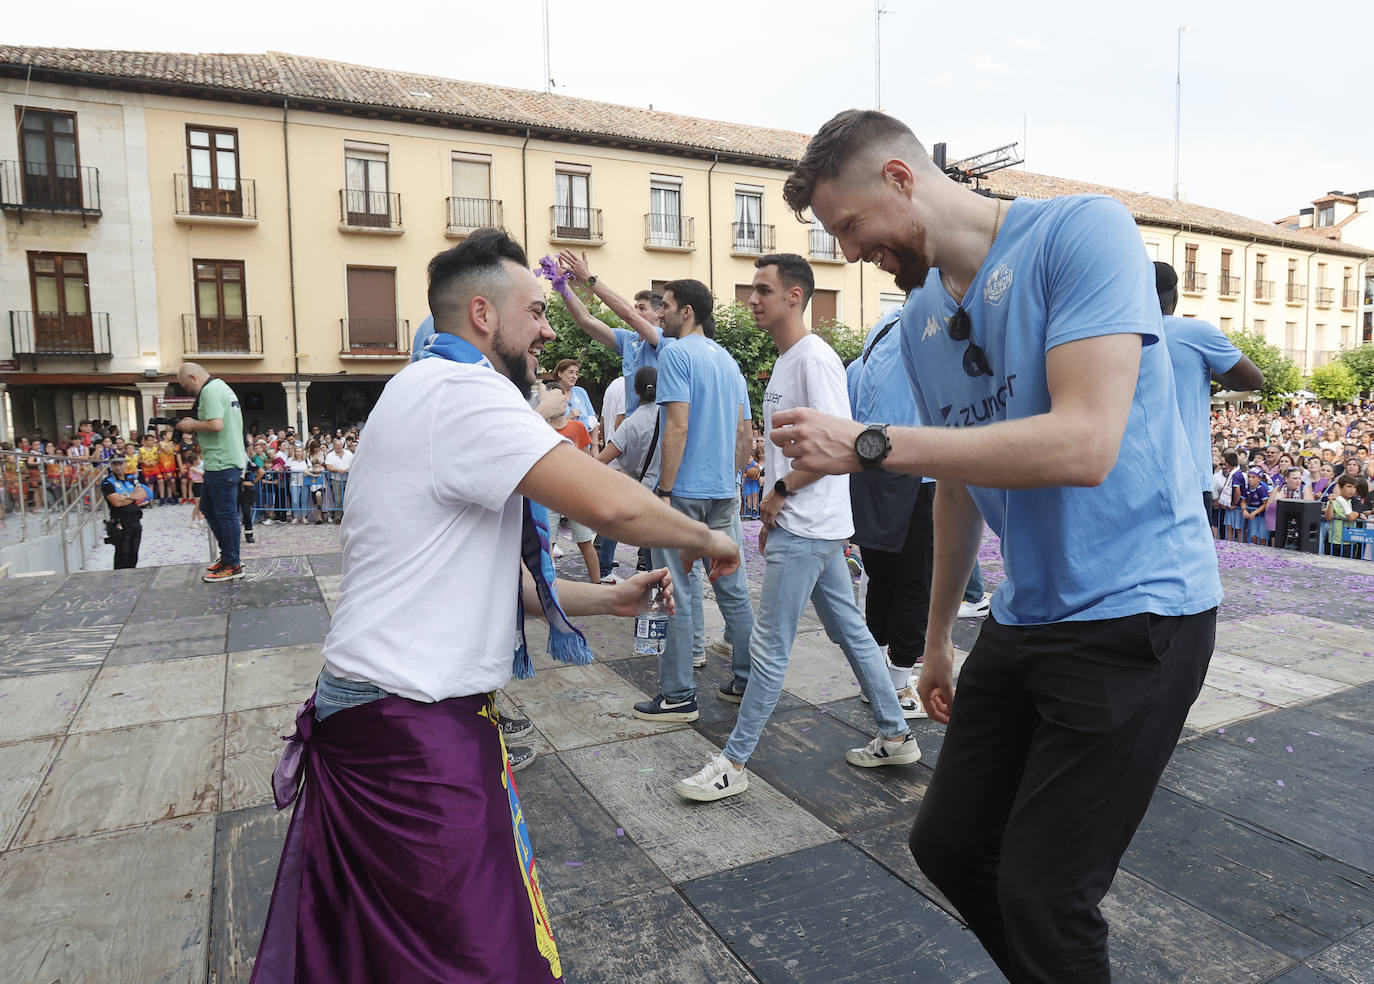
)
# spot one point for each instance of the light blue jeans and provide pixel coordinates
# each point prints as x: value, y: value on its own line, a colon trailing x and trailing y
x: 973, y: 593
x: 732, y: 595
x: 798, y: 568
x: 333, y: 694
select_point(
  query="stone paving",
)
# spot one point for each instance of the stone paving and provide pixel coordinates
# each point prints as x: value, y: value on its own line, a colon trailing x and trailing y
x: 140, y: 715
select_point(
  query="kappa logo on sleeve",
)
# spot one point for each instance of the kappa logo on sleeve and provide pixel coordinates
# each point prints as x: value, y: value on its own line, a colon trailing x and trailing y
x: 998, y: 283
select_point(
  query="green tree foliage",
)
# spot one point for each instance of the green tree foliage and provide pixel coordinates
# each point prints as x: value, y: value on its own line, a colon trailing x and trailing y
x: 847, y: 342
x: 1335, y: 381
x: 599, y: 365
x: 1280, y: 374
x: 1360, y: 361
x: 740, y: 335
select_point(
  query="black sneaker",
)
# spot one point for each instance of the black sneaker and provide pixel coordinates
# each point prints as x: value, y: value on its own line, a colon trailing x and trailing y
x: 663, y: 709
x: 514, y: 727
x: 519, y: 756
x: 728, y: 691
x: 248, y: 537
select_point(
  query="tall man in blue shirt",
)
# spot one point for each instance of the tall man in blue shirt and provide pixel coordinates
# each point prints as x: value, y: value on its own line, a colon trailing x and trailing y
x: 705, y: 436
x: 1031, y: 337
x: 1200, y: 353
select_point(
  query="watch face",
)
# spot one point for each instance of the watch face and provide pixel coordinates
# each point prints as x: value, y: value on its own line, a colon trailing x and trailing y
x: 870, y: 444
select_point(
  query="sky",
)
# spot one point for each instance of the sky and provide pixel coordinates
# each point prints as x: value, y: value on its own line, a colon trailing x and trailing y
x: 1275, y: 98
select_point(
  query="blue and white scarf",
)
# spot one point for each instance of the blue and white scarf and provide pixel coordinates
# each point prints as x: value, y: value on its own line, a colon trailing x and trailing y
x: 566, y: 643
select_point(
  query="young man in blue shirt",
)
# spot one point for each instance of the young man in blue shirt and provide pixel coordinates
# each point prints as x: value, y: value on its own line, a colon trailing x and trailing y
x: 1200, y: 353
x: 1031, y: 339
x: 705, y: 437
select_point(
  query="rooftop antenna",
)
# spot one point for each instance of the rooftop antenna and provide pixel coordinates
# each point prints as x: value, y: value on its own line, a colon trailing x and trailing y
x: 1178, y: 104
x: 968, y: 170
x: 878, y: 11
x: 548, y: 71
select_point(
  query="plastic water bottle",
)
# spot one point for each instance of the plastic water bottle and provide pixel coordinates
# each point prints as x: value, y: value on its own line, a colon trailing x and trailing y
x: 651, y: 628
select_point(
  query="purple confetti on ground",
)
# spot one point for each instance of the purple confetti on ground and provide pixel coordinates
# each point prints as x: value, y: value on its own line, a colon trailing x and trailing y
x: 1279, y: 781
x: 1221, y: 731
x: 620, y: 831
x: 596, y: 754
x: 1314, y: 734
x: 822, y: 710
x: 573, y: 864
x: 806, y: 728
x: 1249, y: 741
x: 1290, y: 749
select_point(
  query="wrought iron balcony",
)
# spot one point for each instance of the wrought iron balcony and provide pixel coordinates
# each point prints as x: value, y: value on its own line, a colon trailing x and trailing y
x: 1297, y: 356
x: 581, y: 224
x: 669, y: 230
x: 1350, y: 299
x: 39, y: 187
x: 752, y: 238
x: 223, y: 198
x: 1322, y: 356
x: 467, y: 214
x: 1326, y: 296
x: 55, y: 334
x: 369, y: 210
x: 1228, y: 285
x: 378, y: 337
x: 1194, y: 282
x: 1296, y: 293
x: 1264, y: 290
x: 825, y: 247
x: 218, y: 336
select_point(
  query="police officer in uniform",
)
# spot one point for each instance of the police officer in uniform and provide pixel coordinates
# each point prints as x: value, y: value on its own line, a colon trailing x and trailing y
x: 125, y: 497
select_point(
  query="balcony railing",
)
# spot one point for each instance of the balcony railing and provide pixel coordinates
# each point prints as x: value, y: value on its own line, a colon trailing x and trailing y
x: 374, y: 336
x: 52, y: 333
x: 1326, y: 296
x: 467, y: 214
x: 825, y: 246
x: 1264, y: 290
x: 1295, y: 293
x: 1297, y: 356
x: 369, y: 209
x: 583, y: 224
x: 1349, y: 299
x: 1322, y: 356
x: 669, y: 230
x: 1194, y: 281
x: 1228, y: 286
x: 209, y: 337
x: 752, y: 237
x: 28, y: 186
x: 227, y: 198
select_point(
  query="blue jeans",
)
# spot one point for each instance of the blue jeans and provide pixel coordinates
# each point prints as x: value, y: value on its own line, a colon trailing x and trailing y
x: 605, y: 554
x: 333, y: 695
x: 974, y: 592
x: 798, y: 568
x: 298, y: 500
x: 732, y: 594
x: 219, y: 503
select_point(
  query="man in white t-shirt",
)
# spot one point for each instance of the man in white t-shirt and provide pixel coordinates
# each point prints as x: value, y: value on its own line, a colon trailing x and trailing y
x: 337, y: 462
x: 806, y: 519
x: 409, y: 835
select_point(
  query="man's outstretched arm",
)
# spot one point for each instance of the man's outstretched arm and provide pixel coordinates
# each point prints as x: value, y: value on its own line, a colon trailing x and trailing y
x: 623, y: 309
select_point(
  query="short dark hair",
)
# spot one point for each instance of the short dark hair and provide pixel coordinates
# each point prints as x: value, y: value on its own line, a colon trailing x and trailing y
x: 697, y: 296
x: 654, y: 297
x: 1231, y: 458
x: 470, y: 269
x: 793, y: 271
x: 844, y: 137
x: 646, y: 384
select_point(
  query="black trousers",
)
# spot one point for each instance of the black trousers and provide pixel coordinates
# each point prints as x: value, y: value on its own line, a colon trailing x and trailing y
x: 898, y: 600
x: 1057, y: 740
x: 126, y: 541
x: 247, y: 500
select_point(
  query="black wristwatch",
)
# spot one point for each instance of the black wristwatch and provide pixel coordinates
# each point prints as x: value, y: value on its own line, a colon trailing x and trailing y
x: 872, y: 446
x: 780, y: 488
x: 663, y: 493
x: 591, y: 280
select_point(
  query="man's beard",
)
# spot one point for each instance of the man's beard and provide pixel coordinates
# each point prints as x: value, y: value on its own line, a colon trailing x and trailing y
x: 911, y: 270
x: 513, y: 365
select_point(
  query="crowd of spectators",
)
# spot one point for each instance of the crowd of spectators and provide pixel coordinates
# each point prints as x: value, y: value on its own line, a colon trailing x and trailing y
x: 1303, y: 452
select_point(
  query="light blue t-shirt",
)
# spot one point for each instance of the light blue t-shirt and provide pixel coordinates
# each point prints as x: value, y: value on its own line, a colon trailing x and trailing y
x: 1063, y: 270
x: 1198, y: 350
x: 696, y: 371
x: 879, y: 388
x: 635, y: 353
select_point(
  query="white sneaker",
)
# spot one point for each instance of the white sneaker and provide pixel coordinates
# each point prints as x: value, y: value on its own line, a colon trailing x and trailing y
x: 699, y: 660
x: 975, y: 609
x: 717, y: 780
x: 610, y: 579
x: 721, y: 648
x: 911, y: 704
x: 557, y: 551
x: 880, y: 751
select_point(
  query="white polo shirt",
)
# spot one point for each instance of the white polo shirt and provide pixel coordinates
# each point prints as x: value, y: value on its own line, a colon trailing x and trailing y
x: 431, y: 536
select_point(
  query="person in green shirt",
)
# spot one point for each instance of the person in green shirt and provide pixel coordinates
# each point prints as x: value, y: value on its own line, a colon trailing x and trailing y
x: 218, y: 421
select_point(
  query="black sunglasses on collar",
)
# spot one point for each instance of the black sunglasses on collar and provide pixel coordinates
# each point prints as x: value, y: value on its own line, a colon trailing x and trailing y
x: 975, y: 359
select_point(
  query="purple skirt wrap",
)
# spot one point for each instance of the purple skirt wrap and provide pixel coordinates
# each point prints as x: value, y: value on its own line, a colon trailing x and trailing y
x: 407, y: 858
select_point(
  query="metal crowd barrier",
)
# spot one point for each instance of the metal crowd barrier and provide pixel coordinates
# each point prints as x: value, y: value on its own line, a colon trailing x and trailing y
x: 51, y: 494
x: 281, y: 497
x: 1304, y: 530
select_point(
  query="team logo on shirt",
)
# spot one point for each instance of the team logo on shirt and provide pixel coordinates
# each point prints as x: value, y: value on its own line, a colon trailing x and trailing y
x: 933, y: 327
x: 983, y: 411
x: 998, y: 283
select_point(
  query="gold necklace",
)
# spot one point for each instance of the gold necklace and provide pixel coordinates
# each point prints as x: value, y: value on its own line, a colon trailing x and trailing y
x: 996, y: 227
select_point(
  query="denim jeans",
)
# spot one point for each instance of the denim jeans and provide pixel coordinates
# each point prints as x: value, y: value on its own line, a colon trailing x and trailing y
x: 333, y: 695
x: 605, y: 553
x: 732, y: 594
x: 298, y: 501
x: 798, y: 568
x: 974, y: 592
x: 219, y: 503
